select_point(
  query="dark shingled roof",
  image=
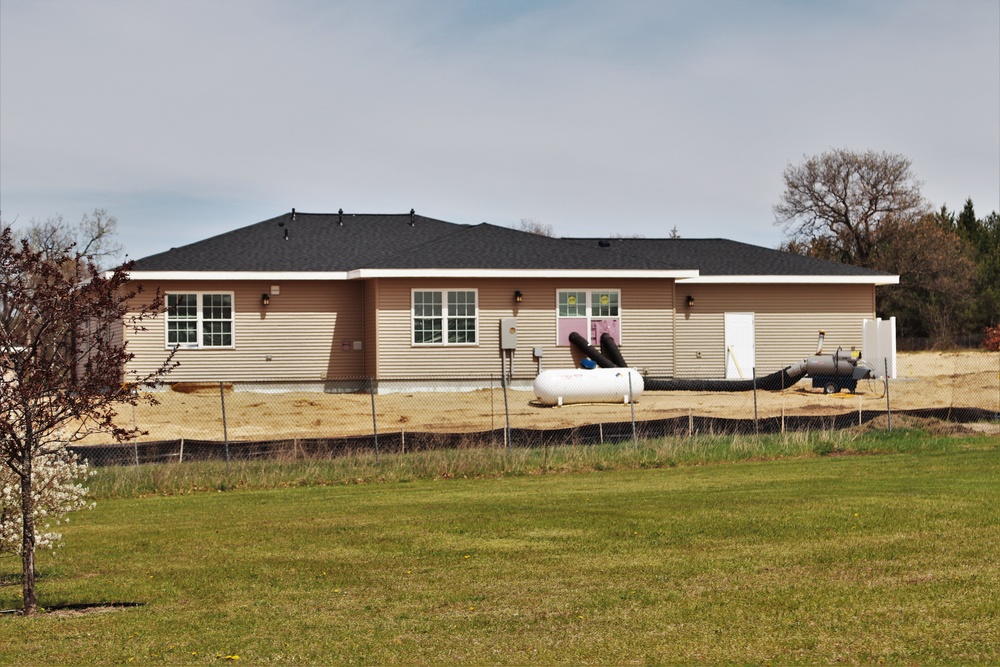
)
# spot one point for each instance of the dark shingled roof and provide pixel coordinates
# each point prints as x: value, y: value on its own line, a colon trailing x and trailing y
x: 307, y: 242
x: 333, y: 242
x: 488, y: 246
x: 722, y: 257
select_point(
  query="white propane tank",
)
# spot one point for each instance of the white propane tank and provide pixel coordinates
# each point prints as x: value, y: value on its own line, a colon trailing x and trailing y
x: 598, y: 385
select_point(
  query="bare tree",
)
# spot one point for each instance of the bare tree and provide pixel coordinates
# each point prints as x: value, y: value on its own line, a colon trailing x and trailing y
x: 835, y: 205
x: 62, y: 359
x: 94, y: 237
x: 533, y: 226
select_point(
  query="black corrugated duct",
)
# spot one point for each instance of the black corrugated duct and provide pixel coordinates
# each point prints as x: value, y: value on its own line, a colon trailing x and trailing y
x: 591, y: 351
x: 776, y: 381
x: 610, y: 349
x: 612, y: 358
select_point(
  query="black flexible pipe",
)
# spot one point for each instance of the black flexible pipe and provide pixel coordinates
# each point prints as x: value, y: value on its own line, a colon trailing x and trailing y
x: 776, y: 381
x: 610, y: 349
x: 590, y: 350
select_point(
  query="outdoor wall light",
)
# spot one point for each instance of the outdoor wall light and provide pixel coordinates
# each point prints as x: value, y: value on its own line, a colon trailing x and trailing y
x: 690, y: 301
x: 518, y: 297
x: 265, y: 298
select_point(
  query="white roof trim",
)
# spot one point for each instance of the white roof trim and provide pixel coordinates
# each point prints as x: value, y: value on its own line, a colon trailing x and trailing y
x: 238, y: 275
x: 361, y: 274
x: 792, y: 280
x: 518, y: 273
x: 682, y: 276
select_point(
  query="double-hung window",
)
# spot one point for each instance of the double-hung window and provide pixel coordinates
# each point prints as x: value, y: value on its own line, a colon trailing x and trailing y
x: 444, y: 317
x: 589, y: 313
x: 200, y: 320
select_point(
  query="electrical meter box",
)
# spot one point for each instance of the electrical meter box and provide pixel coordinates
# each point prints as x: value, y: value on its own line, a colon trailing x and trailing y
x: 508, y: 333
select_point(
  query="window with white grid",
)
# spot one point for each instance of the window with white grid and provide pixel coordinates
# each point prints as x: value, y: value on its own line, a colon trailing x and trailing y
x: 199, y: 320
x: 445, y: 317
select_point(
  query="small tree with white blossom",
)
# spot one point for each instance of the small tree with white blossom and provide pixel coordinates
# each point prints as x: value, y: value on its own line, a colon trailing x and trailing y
x: 62, y: 360
x: 56, y: 492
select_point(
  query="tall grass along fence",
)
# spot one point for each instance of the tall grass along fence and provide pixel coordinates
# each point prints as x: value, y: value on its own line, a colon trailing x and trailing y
x: 335, y: 416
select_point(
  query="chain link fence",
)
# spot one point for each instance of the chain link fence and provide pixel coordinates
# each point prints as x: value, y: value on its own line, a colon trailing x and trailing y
x: 330, y: 417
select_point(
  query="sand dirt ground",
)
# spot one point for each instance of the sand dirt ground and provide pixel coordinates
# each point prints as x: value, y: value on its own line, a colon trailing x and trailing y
x: 925, y: 380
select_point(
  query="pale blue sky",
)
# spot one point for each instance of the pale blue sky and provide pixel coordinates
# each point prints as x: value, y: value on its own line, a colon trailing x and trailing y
x: 188, y: 119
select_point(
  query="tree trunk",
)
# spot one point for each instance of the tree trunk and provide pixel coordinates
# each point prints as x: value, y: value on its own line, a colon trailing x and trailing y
x: 28, y: 537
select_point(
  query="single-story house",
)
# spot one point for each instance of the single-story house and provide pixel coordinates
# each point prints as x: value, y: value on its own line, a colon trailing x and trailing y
x: 328, y: 296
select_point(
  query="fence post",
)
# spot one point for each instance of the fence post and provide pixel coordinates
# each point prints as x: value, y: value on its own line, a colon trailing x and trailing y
x: 371, y: 390
x: 135, y: 442
x: 180, y: 457
x: 135, y: 447
x: 506, y: 408
x: 631, y: 402
x: 782, y: 404
x: 756, y: 424
x: 888, y: 404
x: 493, y: 427
x: 225, y: 429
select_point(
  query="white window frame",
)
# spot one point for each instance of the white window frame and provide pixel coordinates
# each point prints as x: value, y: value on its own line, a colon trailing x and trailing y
x: 200, y: 320
x: 445, y: 317
x: 589, y: 307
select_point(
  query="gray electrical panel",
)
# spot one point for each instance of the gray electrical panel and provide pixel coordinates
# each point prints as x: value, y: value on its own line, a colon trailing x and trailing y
x: 508, y: 333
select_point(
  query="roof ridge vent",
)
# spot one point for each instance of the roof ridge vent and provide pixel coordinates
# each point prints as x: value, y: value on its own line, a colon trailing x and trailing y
x: 604, y: 243
x: 413, y: 214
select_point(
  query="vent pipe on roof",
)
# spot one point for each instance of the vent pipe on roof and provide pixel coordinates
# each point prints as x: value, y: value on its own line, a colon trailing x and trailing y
x: 340, y: 217
x: 412, y: 214
x: 293, y: 213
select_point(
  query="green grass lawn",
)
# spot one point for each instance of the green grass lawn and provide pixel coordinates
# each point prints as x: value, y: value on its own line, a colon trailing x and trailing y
x: 858, y: 559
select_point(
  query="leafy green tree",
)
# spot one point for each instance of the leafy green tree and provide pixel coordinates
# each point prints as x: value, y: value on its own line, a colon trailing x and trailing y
x: 968, y: 226
x: 983, y: 235
x: 988, y: 260
x: 936, y: 279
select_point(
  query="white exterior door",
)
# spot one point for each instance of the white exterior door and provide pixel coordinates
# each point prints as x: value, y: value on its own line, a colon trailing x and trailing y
x: 740, y: 348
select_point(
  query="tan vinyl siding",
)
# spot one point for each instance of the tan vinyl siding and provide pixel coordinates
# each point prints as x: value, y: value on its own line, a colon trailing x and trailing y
x: 787, y: 321
x: 646, y: 324
x: 306, y: 326
x: 647, y: 331
x: 370, y: 290
x: 116, y: 335
x: 113, y: 332
x: 303, y: 329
